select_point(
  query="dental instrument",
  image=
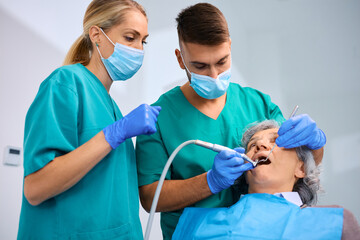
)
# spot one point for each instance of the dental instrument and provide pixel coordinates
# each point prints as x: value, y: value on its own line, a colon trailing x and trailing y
x: 211, y: 146
x: 291, y: 115
x: 219, y: 148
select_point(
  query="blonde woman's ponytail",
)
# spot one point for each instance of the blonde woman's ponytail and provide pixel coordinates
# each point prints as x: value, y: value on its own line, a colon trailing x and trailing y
x: 79, y: 52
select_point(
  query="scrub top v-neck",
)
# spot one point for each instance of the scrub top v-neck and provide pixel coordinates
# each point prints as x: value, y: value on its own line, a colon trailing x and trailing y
x: 180, y: 121
x: 70, y: 108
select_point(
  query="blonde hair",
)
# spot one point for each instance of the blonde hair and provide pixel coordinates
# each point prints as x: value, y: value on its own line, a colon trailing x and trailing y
x: 104, y: 14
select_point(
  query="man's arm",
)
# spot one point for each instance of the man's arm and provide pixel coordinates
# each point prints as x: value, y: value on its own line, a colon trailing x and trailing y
x: 175, y: 194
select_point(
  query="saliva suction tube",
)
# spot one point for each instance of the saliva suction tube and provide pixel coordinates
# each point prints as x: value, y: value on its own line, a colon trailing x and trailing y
x: 211, y: 146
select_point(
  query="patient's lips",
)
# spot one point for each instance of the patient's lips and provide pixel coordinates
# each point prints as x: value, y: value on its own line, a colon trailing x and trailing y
x: 261, y: 161
x: 260, y: 158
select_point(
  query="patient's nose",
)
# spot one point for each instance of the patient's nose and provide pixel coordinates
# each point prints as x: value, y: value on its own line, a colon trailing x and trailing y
x: 262, y: 145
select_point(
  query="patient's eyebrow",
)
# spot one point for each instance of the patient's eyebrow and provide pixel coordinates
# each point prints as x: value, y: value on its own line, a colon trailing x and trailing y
x: 254, y: 139
x: 274, y: 135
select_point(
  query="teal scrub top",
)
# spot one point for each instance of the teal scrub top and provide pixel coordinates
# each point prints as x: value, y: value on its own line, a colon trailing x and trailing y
x: 180, y: 121
x: 70, y: 108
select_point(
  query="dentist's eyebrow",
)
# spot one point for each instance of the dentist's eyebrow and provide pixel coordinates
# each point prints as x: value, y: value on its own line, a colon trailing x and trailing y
x: 199, y: 63
x: 222, y: 59
x: 135, y: 32
x: 206, y: 64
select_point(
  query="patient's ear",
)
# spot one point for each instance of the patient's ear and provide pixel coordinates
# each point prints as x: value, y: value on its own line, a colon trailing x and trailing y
x: 300, y: 170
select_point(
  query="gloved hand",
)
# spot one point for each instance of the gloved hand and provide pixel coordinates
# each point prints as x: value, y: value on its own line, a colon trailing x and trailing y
x: 139, y: 121
x: 300, y: 130
x: 228, y: 166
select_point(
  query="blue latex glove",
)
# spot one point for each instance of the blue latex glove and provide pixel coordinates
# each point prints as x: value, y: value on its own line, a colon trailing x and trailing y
x: 139, y: 121
x: 228, y: 166
x: 300, y: 130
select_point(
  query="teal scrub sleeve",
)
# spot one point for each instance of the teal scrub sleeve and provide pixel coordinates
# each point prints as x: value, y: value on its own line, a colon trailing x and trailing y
x: 275, y: 113
x: 260, y: 106
x: 51, y: 128
x: 151, y: 157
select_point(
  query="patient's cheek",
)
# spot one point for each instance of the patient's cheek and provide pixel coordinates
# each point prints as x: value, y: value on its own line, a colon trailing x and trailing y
x: 250, y: 153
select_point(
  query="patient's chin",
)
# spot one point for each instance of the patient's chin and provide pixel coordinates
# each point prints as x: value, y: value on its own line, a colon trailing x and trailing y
x: 259, y: 175
x: 262, y: 167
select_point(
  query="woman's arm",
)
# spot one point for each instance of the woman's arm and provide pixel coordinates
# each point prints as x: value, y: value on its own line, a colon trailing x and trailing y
x: 65, y: 171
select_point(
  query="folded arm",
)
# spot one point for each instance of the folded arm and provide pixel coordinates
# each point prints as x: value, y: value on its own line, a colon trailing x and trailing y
x: 65, y: 171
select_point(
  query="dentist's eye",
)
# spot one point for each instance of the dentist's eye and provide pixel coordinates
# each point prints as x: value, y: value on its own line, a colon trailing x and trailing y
x: 200, y: 66
x: 129, y: 39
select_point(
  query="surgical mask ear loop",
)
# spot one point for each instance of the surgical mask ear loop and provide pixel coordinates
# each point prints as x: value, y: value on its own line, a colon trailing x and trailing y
x: 97, y: 45
x: 182, y: 59
x: 107, y: 36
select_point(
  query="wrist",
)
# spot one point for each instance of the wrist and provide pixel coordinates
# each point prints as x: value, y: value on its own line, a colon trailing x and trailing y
x: 321, y: 141
x: 114, y: 134
x: 212, y: 182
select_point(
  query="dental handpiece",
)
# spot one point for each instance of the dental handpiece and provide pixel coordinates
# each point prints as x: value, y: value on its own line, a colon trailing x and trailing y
x: 214, y: 147
x: 219, y: 148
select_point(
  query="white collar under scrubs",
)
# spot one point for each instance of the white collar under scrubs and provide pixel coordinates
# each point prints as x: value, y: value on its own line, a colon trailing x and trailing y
x: 292, y: 197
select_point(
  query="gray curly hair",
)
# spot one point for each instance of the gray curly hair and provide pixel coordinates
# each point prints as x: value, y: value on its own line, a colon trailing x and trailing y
x: 308, y: 186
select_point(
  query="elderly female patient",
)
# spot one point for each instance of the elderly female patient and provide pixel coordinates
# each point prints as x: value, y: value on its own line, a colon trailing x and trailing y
x: 277, y: 206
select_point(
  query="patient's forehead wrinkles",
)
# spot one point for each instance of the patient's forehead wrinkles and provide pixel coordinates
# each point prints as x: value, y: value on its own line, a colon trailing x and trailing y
x: 270, y: 135
x: 253, y: 139
x: 256, y: 137
x: 274, y: 134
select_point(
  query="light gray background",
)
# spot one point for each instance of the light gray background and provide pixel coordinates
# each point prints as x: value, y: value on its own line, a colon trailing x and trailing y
x: 304, y: 52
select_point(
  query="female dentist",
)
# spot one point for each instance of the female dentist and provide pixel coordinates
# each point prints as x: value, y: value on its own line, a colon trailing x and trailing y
x: 79, y: 161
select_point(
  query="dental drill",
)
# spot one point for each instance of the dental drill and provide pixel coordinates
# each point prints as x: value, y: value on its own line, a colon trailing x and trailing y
x: 211, y: 146
x: 219, y: 148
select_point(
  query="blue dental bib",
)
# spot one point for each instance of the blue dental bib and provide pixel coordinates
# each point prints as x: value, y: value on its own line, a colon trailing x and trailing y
x: 260, y: 216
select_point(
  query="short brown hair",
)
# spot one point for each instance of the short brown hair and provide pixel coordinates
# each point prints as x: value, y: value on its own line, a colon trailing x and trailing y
x: 203, y: 24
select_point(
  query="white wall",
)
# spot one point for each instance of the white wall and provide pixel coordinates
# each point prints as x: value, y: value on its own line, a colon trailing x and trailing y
x: 22, y: 52
x: 300, y: 52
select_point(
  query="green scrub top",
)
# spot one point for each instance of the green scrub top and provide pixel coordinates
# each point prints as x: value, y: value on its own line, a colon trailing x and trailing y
x: 71, y: 107
x: 180, y: 121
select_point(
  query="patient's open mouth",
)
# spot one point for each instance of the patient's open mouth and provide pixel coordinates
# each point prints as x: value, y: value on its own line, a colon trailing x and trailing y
x: 261, y: 160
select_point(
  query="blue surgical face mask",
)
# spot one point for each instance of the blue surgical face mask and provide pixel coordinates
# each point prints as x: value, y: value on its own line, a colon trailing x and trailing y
x: 124, y: 62
x: 208, y: 87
